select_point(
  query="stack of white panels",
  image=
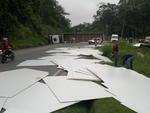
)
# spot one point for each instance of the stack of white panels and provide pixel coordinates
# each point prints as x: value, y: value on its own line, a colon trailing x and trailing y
x: 80, y: 51
x: 36, y: 99
x: 13, y: 82
x: 130, y: 87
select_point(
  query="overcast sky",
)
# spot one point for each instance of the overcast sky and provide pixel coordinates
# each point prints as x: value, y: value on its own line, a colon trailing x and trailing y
x: 82, y: 10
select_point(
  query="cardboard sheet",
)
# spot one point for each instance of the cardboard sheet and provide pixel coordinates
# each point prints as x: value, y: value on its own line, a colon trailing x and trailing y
x: 10, y: 110
x: 80, y: 51
x: 72, y: 75
x: 58, y: 57
x: 2, y: 101
x: 75, y: 90
x: 15, y: 81
x: 36, y: 99
x: 130, y: 87
x: 75, y: 64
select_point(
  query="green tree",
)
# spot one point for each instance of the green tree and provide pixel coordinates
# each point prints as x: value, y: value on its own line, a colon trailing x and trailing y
x: 30, y: 18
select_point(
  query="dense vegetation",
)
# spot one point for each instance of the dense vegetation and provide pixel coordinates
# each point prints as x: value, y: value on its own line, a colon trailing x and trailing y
x: 129, y: 18
x: 22, y: 19
x: 141, y: 56
x: 25, y: 19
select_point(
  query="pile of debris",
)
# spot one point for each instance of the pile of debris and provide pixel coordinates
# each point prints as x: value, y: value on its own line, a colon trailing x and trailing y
x: 32, y: 91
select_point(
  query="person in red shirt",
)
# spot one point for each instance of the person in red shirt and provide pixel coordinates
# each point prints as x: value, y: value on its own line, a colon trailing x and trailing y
x: 6, y: 45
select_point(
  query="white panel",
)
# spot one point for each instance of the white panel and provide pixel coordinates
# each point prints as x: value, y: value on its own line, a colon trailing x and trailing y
x: 75, y: 90
x: 80, y: 76
x: 137, y: 45
x: 63, y: 48
x: 12, y: 82
x: 77, y: 51
x: 103, y: 58
x: 130, y: 87
x: 36, y: 99
x: 88, y: 51
x: 36, y: 63
x: 58, y: 57
x: 2, y: 101
x: 75, y: 64
x: 18, y: 111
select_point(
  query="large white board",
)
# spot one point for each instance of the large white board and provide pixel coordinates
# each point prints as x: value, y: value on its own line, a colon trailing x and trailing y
x: 36, y: 99
x: 81, y: 76
x: 13, y: 82
x: 130, y: 87
x: 2, y: 101
x: 75, y: 90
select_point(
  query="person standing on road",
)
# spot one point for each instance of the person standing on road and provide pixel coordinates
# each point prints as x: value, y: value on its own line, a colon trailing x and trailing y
x: 95, y: 40
x: 115, y: 50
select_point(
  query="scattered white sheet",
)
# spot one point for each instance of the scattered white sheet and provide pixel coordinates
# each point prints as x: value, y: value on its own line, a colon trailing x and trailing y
x: 75, y: 90
x: 137, y: 45
x: 36, y: 99
x: 36, y: 63
x: 18, y: 111
x: 80, y: 51
x: 2, y: 101
x: 59, y: 57
x: 75, y: 64
x: 72, y: 75
x: 130, y: 87
x: 15, y: 81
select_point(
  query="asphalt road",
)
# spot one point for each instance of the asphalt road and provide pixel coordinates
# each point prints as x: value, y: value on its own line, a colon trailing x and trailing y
x: 34, y: 53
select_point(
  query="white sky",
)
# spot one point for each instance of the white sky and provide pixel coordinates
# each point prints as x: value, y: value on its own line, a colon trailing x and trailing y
x: 82, y: 10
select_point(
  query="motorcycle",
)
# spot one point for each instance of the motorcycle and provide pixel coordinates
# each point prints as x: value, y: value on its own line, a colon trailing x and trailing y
x: 8, y: 54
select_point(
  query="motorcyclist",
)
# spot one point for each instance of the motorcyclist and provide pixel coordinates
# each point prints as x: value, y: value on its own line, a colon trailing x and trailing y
x: 6, y: 45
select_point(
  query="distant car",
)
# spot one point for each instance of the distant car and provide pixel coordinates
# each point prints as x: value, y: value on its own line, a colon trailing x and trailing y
x: 92, y: 41
x: 147, y: 40
x: 114, y: 37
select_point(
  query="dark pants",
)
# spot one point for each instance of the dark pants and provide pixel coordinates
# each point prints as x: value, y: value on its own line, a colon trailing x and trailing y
x: 129, y: 62
x: 116, y: 58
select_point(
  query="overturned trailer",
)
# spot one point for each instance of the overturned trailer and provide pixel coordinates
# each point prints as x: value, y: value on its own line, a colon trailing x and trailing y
x: 81, y: 37
x: 73, y: 37
x: 55, y: 39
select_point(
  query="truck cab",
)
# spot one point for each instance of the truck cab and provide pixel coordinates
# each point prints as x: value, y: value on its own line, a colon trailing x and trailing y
x: 114, y: 37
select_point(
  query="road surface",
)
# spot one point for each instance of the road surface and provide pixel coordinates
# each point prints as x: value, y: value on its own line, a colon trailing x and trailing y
x: 32, y: 54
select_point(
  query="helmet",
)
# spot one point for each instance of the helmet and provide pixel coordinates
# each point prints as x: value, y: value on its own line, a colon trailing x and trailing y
x: 5, y: 38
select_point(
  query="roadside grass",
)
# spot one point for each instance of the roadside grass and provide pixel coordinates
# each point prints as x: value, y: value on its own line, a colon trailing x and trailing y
x: 105, y: 105
x: 109, y: 105
x: 82, y: 107
x: 29, y: 42
x: 141, y: 61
